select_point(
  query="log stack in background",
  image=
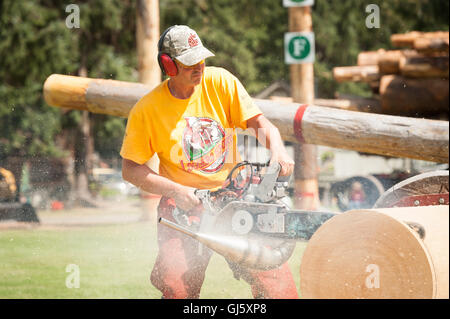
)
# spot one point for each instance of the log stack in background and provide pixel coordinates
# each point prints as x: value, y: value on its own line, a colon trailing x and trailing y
x: 409, y: 81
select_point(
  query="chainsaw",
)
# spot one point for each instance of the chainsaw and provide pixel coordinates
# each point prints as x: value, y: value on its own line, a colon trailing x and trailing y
x: 248, y: 220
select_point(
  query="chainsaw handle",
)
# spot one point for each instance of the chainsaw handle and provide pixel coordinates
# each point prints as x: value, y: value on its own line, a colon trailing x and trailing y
x: 283, y: 179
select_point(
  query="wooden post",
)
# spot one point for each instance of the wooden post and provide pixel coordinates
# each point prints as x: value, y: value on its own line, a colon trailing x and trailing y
x: 302, y: 86
x: 147, y: 37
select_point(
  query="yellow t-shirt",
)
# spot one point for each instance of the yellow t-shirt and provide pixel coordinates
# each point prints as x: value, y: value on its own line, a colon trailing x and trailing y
x: 195, y: 138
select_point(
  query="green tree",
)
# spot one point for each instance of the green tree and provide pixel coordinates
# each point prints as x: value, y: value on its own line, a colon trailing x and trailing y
x: 34, y: 43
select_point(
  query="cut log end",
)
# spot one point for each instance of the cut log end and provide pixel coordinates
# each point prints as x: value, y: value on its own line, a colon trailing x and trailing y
x: 373, y: 254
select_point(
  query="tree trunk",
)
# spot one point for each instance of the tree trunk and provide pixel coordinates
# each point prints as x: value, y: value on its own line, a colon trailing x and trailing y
x: 84, y: 148
x: 147, y: 36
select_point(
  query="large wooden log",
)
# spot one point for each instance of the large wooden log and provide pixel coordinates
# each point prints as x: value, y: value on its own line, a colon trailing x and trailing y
x: 424, y: 66
x: 400, y: 95
x: 365, y: 73
x: 346, y: 102
x: 430, y: 46
x: 376, y: 253
x: 369, y: 133
x: 407, y: 39
x: 351, y: 103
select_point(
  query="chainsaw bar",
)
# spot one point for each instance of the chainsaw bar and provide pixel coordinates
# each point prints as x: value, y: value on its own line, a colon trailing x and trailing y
x: 301, y: 225
x: 298, y: 225
x: 272, y: 220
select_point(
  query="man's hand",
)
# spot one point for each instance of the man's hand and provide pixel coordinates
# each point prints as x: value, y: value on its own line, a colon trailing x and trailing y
x: 185, y: 198
x: 285, y: 161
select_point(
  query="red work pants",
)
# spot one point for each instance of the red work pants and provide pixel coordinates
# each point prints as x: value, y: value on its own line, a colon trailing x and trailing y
x: 179, y: 270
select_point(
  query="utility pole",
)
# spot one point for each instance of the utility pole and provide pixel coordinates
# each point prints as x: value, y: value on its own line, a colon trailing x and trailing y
x: 302, y: 91
x: 147, y: 37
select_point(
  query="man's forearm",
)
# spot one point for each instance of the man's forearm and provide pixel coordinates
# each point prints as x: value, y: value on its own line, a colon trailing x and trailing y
x: 146, y: 179
x: 267, y: 134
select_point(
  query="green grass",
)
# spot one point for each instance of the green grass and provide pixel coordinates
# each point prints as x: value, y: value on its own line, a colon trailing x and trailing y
x: 114, y: 262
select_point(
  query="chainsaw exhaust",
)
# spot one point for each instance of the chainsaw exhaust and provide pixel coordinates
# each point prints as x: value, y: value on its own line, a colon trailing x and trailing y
x: 250, y: 253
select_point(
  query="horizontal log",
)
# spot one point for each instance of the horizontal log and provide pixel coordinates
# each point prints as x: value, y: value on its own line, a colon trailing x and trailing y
x: 95, y: 95
x: 369, y: 57
x: 351, y: 103
x: 343, y: 102
x: 426, y: 45
x: 407, y: 39
x: 369, y: 133
x: 365, y: 73
x: 424, y: 66
x: 389, y: 62
x: 418, y: 97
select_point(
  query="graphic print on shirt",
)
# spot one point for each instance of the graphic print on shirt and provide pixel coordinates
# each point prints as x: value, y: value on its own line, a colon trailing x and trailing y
x: 205, y: 145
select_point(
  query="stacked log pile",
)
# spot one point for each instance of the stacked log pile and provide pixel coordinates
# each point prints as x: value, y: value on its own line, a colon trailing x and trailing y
x: 409, y: 81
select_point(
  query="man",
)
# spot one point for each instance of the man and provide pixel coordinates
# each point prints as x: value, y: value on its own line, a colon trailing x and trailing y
x: 188, y: 120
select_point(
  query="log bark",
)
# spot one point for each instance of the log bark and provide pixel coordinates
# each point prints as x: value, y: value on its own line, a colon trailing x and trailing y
x: 424, y: 67
x: 366, y: 73
x: 369, y: 133
x: 407, y: 39
x: 418, y: 97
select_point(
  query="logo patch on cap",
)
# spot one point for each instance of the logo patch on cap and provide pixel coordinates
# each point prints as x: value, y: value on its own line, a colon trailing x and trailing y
x: 193, y: 40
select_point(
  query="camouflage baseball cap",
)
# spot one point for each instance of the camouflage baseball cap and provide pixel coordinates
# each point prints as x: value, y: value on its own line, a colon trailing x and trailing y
x: 183, y: 44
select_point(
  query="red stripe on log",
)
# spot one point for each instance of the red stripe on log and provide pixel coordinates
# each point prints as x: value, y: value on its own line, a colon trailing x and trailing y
x: 298, y: 122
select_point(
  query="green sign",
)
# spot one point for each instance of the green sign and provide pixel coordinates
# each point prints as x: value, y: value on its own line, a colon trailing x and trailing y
x: 299, y: 47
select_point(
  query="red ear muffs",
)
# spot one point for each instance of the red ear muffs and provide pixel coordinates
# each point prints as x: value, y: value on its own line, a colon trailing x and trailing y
x: 167, y: 64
